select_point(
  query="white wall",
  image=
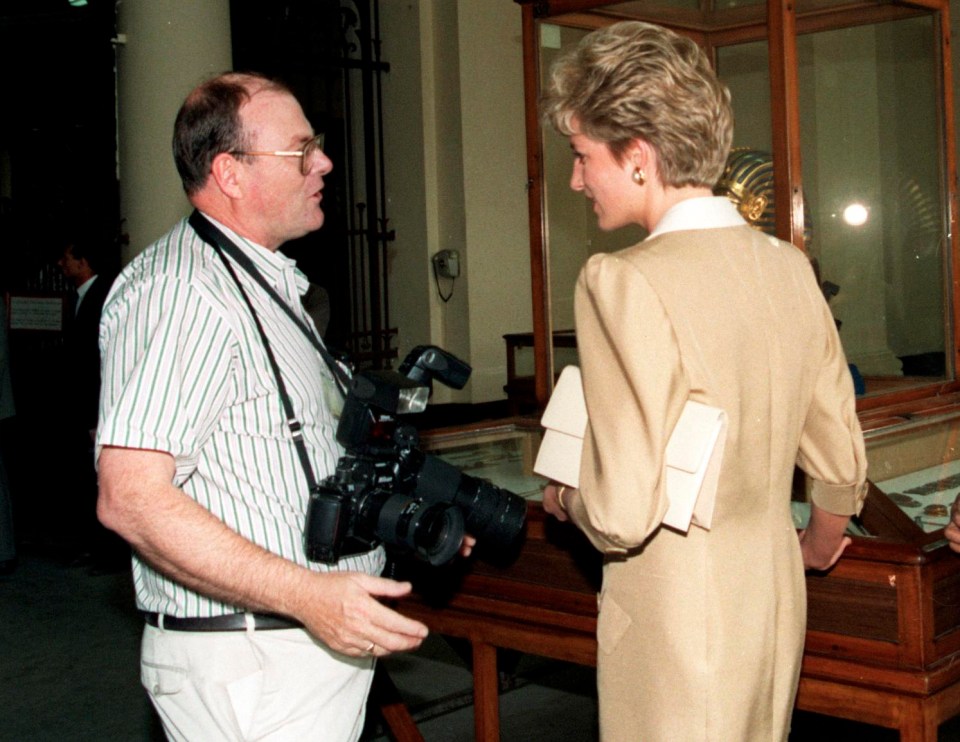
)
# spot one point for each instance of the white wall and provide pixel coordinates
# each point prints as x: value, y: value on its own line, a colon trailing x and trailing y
x: 494, y: 147
x: 456, y: 178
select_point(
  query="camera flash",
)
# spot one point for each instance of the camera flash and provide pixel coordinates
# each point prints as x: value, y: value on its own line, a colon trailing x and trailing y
x: 412, y: 399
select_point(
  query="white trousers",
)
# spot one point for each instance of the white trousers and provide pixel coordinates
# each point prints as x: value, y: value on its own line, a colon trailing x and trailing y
x: 274, y: 686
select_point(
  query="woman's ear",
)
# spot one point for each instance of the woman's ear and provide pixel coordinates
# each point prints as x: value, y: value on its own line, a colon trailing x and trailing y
x: 225, y: 170
x: 640, y: 154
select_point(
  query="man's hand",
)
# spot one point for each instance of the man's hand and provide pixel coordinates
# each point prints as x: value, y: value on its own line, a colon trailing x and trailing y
x: 466, y: 548
x: 185, y: 541
x: 341, y: 610
x: 351, y: 619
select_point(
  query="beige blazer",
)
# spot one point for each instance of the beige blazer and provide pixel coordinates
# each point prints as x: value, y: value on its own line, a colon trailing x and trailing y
x: 701, y: 635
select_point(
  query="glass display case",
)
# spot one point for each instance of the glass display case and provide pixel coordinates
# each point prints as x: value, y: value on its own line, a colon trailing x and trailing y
x: 503, y: 452
x: 847, y: 111
x: 915, y: 465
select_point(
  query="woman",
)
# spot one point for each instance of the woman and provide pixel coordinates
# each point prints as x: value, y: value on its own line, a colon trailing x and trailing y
x: 700, y: 634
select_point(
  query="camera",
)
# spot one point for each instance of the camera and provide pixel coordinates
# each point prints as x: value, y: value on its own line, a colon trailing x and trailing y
x: 386, y: 490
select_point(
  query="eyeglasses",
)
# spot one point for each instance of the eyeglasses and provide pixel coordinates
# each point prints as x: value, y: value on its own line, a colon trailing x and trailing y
x: 306, y: 154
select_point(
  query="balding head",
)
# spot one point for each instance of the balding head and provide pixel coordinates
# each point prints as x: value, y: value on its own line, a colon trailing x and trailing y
x: 209, y: 124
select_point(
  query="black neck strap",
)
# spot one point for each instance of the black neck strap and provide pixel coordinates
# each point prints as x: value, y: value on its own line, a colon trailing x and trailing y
x: 222, y: 245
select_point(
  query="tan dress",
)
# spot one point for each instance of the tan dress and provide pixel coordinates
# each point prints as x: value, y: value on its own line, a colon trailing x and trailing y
x: 701, y: 635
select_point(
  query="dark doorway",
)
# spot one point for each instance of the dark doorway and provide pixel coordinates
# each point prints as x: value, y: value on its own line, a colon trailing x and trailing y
x: 57, y: 133
x: 57, y: 180
x: 327, y: 51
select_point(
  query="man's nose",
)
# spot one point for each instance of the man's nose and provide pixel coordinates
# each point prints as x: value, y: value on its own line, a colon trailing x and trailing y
x: 321, y: 162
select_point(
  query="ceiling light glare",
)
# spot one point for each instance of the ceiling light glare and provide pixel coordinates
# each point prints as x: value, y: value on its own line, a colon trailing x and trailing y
x: 856, y: 215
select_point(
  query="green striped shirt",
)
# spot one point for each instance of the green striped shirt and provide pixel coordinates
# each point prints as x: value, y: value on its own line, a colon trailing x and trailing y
x: 185, y: 372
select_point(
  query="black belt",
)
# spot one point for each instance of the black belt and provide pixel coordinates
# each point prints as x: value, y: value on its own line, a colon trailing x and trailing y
x: 229, y: 622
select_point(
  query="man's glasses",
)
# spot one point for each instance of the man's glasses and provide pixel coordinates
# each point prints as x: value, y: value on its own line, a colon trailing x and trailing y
x: 306, y: 154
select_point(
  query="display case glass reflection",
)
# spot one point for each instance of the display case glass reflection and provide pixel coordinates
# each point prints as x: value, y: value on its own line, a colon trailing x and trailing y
x: 913, y: 468
x: 873, y: 176
x: 503, y: 454
x: 917, y: 467
x: 874, y: 203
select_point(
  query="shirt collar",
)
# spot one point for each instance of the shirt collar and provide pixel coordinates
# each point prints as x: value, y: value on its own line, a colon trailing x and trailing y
x: 84, y: 287
x: 707, y: 212
x: 272, y: 264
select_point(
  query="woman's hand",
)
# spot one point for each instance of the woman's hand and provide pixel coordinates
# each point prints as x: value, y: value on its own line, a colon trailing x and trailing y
x: 824, y: 539
x: 557, y: 498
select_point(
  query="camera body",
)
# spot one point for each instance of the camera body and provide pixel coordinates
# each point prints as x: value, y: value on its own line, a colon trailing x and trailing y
x: 386, y: 490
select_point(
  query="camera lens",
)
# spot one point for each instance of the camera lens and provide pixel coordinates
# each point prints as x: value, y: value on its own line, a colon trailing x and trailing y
x: 495, y: 516
x: 431, y: 531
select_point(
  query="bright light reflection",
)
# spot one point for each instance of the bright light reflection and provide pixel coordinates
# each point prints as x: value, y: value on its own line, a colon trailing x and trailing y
x: 855, y: 215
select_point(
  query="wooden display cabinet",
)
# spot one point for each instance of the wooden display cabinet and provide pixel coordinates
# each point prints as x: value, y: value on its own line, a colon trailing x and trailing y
x: 883, y: 634
x: 883, y: 627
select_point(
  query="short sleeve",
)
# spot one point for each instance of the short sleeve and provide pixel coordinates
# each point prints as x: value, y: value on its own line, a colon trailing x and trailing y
x: 167, y: 356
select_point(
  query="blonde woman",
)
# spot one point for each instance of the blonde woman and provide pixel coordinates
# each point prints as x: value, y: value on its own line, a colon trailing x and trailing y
x: 700, y: 634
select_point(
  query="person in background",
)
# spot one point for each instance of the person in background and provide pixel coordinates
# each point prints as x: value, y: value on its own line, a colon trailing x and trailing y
x: 103, y: 551
x: 952, y: 531
x: 700, y: 634
x: 199, y: 471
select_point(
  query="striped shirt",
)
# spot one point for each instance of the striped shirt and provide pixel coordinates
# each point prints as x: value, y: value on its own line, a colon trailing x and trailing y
x: 185, y: 372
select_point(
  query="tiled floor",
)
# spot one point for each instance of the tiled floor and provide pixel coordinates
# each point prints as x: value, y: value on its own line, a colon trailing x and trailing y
x: 68, y: 671
x: 540, y: 699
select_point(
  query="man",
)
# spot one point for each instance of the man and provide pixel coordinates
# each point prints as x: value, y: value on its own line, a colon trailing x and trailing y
x: 79, y: 264
x: 198, y: 469
x: 952, y: 531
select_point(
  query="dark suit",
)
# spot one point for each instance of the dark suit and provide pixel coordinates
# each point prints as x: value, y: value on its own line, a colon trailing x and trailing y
x: 81, y: 347
x: 84, y: 535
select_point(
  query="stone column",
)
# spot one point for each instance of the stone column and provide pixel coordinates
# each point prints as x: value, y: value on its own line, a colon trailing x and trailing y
x: 164, y: 48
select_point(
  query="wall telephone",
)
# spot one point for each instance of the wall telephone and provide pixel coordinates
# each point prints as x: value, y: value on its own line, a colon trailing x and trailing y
x: 446, y: 263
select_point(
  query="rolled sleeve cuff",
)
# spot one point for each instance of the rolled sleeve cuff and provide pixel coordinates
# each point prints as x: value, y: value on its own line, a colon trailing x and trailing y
x: 839, y: 499
x: 579, y: 515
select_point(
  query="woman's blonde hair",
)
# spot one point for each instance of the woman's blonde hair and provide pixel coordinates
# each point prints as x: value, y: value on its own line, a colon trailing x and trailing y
x: 636, y: 80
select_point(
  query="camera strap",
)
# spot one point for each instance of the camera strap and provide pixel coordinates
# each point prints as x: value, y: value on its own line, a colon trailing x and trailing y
x: 221, y: 244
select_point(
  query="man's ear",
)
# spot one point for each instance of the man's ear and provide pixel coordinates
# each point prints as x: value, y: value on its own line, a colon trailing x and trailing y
x: 225, y: 171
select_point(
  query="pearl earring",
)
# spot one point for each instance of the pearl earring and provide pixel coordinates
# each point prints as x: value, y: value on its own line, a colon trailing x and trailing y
x: 639, y: 177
